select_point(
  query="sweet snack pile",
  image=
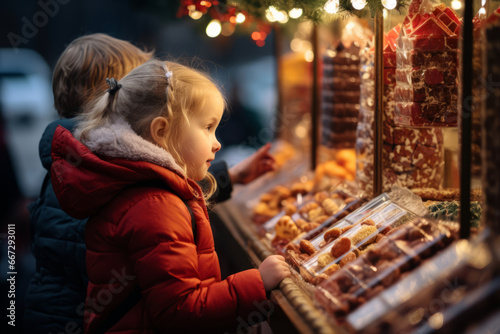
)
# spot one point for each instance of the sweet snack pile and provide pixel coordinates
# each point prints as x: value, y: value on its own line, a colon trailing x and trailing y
x: 340, y: 96
x: 412, y: 157
x: 317, y: 211
x: 427, y: 56
x: 278, y: 198
x: 347, y: 240
x: 341, y: 86
x: 382, y: 264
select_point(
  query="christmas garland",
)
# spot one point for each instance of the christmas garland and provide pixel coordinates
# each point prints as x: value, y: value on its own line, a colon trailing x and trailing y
x: 260, y: 15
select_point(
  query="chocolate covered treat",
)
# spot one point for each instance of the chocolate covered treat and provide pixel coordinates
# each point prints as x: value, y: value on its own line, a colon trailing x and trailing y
x: 340, y: 96
x: 427, y: 52
x: 412, y: 157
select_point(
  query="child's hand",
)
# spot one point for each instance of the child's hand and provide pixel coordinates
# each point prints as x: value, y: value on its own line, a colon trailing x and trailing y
x: 254, y: 166
x: 272, y: 270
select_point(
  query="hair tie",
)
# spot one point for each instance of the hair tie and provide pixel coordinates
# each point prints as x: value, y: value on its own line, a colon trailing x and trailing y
x: 113, y: 86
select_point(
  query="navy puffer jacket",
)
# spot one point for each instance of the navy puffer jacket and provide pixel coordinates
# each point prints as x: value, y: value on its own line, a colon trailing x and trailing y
x: 56, y: 294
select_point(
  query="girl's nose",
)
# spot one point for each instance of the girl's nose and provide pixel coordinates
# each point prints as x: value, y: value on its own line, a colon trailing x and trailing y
x: 216, y: 146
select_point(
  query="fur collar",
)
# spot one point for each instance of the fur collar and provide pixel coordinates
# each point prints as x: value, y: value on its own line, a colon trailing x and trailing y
x: 117, y: 140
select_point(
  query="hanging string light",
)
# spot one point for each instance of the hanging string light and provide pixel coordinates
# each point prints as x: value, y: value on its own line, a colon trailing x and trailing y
x: 332, y: 6
x: 295, y: 13
x: 249, y: 15
x: 358, y: 4
x: 389, y: 4
x: 214, y: 28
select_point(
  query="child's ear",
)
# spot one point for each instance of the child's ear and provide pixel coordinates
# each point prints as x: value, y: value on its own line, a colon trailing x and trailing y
x: 159, y: 128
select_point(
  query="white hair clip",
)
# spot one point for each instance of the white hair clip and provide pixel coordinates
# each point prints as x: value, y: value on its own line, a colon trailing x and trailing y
x: 168, y: 74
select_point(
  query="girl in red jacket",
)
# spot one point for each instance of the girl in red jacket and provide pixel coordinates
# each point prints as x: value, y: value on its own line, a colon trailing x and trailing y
x: 133, y: 167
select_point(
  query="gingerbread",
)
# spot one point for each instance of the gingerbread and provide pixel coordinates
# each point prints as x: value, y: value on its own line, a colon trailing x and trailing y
x: 340, y: 247
x: 320, y: 196
x: 368, y: 222
x: 332, y: 234
x: 308, y: 207
x: 290, y: 209
x: 285, y: 228
x: 321, y: 219
x: 330, y: 206
x: 314, y: 214
x: 306, y: 246
x: 310, y: 226
x: 301, y: 223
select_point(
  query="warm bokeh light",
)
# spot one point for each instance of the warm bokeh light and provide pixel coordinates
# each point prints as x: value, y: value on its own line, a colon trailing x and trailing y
x: 274, y: 15
x: 214, y: 28
x: 240, y: 18
x: 271, y: 13
x: 358, y: 4
x: 295, y: 13
x: 227, y: 29
x: 195, y: 14
x: 255, y: 35
x: 456, y: 4
x: 309, y: 55
x: 332, y: 6
x: 389, y: 4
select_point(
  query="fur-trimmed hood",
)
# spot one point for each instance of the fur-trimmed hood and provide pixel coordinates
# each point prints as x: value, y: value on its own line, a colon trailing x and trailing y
x: 113, y: 157
x: 118, y: 140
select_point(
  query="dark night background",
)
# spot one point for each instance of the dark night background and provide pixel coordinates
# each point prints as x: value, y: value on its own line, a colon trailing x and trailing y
x: 246, y: 72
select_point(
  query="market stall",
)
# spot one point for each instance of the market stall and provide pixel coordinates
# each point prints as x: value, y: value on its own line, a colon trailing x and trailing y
x: 386, y: 217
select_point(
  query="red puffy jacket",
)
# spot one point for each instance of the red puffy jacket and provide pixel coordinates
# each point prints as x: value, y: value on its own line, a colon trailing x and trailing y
x: 140, y: 233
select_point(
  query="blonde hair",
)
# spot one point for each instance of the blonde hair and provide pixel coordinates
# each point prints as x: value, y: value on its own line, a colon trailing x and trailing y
x: 147, y: 93
x: 84, y: 65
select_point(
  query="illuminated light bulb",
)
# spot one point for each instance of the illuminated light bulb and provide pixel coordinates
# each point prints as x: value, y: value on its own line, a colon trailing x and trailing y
x: 282, y: 17
x: 309, y: 55
x: 332, y: 6
x: 358, y: 4
x: 295, y: 45
x: 195, y: 14
x: 240, y: 18
x: 213, y: 28
x: 389, y: 4
x: 482, y: 11
x: 456, y: 4
x: 271, y: 14
x: 295, y: 13
x: 483, y: 2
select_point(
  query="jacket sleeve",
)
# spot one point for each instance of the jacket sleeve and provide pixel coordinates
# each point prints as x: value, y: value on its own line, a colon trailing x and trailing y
x: 165, y: 259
